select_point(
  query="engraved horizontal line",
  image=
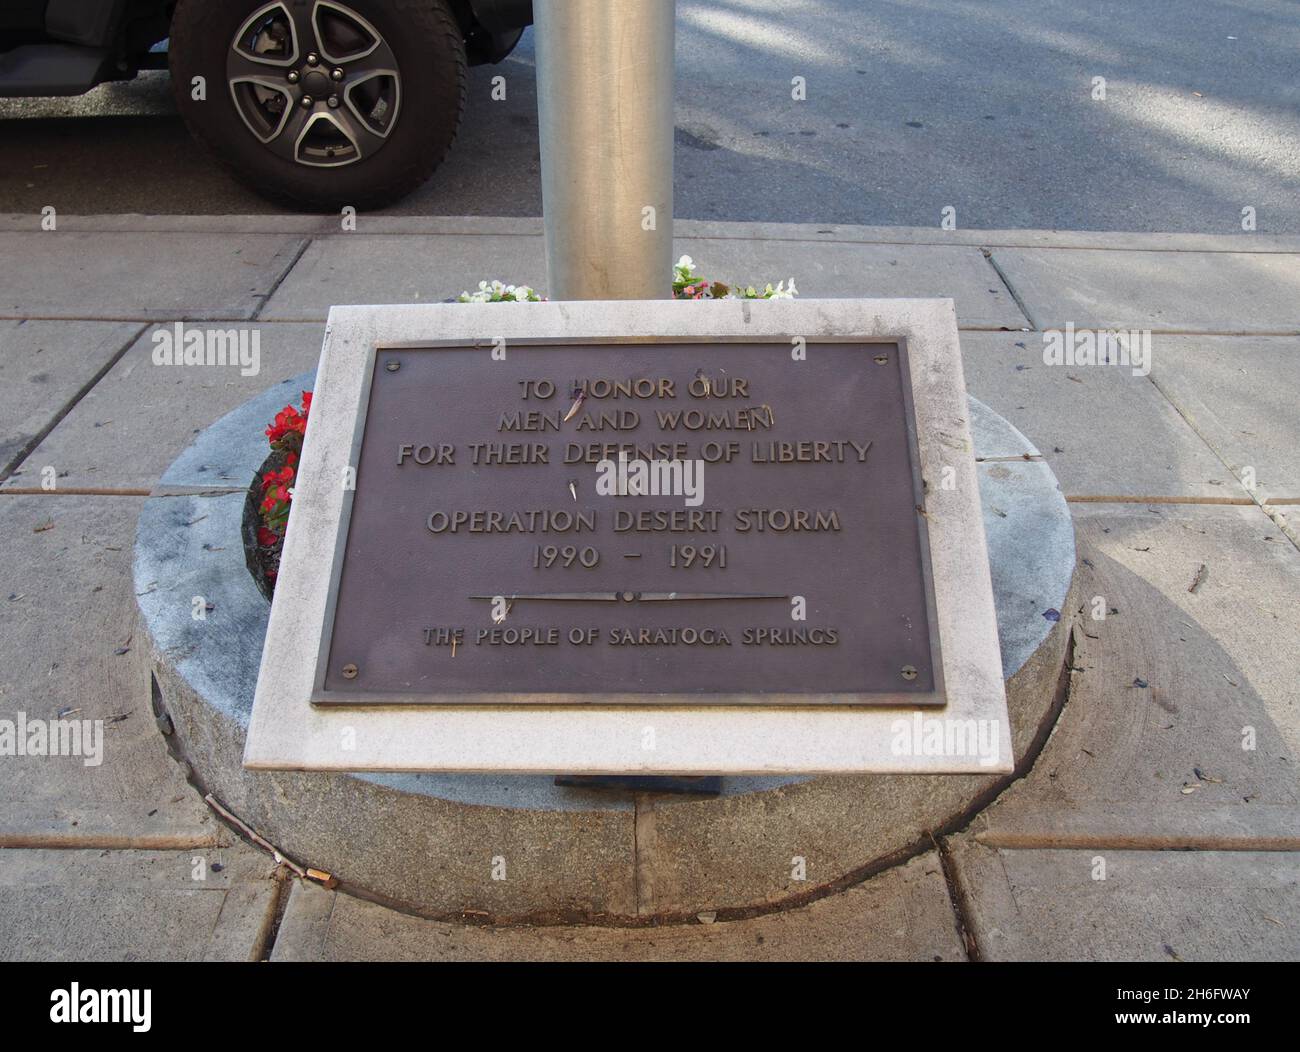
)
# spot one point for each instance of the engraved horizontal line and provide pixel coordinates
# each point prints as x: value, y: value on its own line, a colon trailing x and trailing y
x: 627, y: 597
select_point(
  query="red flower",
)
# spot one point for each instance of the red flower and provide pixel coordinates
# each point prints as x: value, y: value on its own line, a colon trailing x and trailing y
x: 286, y: 421
x: 280, y: 479
x: 285, y: 435
x: 289, y: 421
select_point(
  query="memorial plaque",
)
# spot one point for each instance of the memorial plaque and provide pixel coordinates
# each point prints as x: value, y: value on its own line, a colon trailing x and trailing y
x: 472, y: 580
x: 665, y: 522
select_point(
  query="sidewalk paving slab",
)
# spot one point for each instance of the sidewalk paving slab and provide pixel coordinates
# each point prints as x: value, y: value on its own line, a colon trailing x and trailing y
x: 1171, y: 685
x: 903, y: 913
x: 956, y: 272
x: 169, y: 823
x: 43, y: 365
x: 1163, y: 291
x: 136, y: 905
x: 364, y: 269
x: 71, y: 652
x: 137, y: 420
x: 1102, y: 430
x: 1151, y: 906
x: 1242, y: 395
x: 149, y: 276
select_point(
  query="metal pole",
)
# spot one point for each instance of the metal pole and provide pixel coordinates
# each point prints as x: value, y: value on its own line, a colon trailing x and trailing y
x: 605, y: 117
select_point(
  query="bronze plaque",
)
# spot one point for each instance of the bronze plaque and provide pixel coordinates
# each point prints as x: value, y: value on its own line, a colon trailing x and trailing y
x: 561, y: 522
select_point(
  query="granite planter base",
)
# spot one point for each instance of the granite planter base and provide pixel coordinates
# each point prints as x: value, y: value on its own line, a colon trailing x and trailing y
x: 520, y: 848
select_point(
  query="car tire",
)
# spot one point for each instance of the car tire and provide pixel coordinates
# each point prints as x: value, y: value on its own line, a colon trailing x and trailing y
x: 384, y: 81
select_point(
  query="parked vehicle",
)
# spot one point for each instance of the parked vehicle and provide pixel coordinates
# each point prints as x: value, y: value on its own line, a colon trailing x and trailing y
x: 314, y: 103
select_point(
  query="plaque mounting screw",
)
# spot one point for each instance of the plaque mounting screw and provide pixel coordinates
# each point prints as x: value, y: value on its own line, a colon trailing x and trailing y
x: 909, y: 673
x: 627, y: 597
x: 881, y: 359
x: 349, y: 671
x: 392, y: 367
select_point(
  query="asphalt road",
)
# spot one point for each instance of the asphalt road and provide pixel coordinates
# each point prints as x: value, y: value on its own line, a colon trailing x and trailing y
x: 912, y: 105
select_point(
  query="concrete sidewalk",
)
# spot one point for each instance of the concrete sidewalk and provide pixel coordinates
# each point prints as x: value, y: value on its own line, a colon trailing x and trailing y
x: 1161, y: 820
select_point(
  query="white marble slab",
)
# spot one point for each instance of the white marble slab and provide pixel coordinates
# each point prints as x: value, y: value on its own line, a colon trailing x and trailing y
x: 287, y: 732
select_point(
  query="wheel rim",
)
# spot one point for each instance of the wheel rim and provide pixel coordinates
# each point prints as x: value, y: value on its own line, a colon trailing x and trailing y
x: 318, y: 86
